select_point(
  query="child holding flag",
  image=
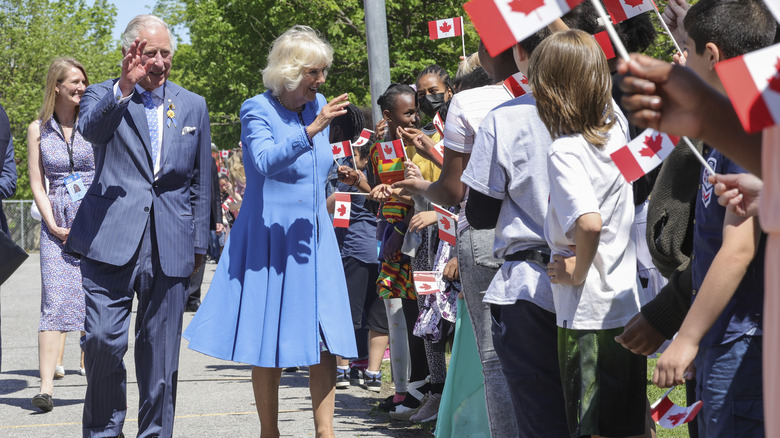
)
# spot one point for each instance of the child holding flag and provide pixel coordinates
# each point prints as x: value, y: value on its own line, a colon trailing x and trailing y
x: 722, y: 333
x: 589, y: 227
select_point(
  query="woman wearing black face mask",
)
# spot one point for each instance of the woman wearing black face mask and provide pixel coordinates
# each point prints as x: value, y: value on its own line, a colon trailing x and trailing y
x: 433, y: 89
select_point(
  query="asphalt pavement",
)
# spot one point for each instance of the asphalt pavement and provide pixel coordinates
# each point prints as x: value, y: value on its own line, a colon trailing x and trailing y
x: 214, y: 396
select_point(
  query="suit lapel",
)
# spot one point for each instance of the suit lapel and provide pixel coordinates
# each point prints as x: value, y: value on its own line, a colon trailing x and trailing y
x: 169, y: 128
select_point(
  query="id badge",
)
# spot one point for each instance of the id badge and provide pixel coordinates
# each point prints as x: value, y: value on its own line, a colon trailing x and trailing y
x: 75, y: 187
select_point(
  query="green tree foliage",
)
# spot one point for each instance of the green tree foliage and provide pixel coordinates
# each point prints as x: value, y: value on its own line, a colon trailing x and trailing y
x: 231, y: 38
x: 32, y: 34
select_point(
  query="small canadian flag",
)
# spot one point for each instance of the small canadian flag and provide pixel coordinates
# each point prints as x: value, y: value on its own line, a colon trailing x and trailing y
x: 448, y: 224
x: 224, y: 154
x: 341, y: 149
x: 622, y: 10
x: 438, y: 152
x: 502, y: 23
x: 643, y: 154
x: 517, y: 84
x: 426, y: 282
x: 752, y: 82
x: 606, y: 44
x: 669, y: 415
x: 223, y: 170
x: 390, y: 150
x: 439, y: 124
x: 446, y: 28
x: 342, y: 210
x: 365, y: 136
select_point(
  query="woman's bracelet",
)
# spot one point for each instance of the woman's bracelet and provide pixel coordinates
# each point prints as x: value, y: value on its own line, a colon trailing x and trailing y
x: 399, y: 231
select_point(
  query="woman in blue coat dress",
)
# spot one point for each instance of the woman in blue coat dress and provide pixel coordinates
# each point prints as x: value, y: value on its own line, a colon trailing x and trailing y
x: 278, y: 297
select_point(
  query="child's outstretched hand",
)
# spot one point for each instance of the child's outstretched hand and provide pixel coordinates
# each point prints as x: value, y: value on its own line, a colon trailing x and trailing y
x: 676, y: 363
x: 381, y: 193
x: 422, y: 220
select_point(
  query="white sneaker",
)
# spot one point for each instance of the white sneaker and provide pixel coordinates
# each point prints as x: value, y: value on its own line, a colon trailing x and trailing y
x: 82, y: 371
x: 59, y: 372
x: 429, y: 411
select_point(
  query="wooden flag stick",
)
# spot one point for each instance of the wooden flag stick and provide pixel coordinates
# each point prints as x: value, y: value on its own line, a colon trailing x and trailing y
x: 463, y: 37
x: 354, y: 193
x: 666, y: 28
x: 698, y: 156
x: 624, y: 54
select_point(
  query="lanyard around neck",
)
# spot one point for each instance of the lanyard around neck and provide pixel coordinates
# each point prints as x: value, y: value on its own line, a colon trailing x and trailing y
x: 68, y: 145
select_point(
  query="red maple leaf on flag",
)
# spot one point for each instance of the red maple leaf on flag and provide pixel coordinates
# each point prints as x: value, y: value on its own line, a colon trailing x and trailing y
x: 388, y: 150
x: 445, y: 223
x: 676, y: 418
x: 774, y: 81
x: 526, y: 6
x: 342, y: 210
x: 633, y: 3
x: 445, y: 27
x: 652, y: 145
x: 524, y: 80
x: 425, y: 286
x: 336, y: 150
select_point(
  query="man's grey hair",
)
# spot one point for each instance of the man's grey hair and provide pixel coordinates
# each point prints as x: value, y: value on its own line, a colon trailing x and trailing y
x: 140, y: 23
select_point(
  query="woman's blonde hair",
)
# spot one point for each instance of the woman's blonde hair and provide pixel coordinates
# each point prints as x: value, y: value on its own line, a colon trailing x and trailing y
x: 468, y: 65
x: 58, y: 71
x: 235, y: 164
x: 572, y: 86
x: 297, y: 48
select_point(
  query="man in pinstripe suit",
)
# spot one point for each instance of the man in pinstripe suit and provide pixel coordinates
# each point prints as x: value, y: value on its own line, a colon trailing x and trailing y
x: 142, y: 229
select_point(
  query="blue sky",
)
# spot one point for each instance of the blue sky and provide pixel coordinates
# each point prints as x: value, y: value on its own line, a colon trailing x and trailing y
x: 127, y: 9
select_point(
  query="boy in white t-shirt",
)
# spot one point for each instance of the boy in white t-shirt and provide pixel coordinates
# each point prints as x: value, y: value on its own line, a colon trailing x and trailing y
x: 589, y: 228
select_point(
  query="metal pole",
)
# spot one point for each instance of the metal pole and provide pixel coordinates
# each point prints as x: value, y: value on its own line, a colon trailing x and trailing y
x: 378, y: 52
x: 21, y: 215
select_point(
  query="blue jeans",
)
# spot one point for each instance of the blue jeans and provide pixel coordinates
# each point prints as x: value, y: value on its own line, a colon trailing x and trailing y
x: 477, y: 269
x: 213, y: 250
x: 730, y: 383
x: 526, y: 340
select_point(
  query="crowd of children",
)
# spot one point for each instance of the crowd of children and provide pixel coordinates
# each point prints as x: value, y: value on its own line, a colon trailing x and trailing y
x: 547, y: 252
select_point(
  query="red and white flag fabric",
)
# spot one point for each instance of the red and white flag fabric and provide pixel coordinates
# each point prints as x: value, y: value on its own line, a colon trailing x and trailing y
x: 517, y: 85
x: 438, y: 152
x: 752, y: 82
x: 439, y: 124
x: 224, y: 154
x: 449, y: 27
x: 341, y: 149
x: 342, y: 210
x: 643, y: 154
x: 622, y: 10
x: 448, y: 224
x: 606, y: 44
x: 669, y: 415
x: 390, y: 150
x: 426, y: 282
x: 223, y: 170
x: 502, y: 23
x: 365, y: 136
x: 774, y: 7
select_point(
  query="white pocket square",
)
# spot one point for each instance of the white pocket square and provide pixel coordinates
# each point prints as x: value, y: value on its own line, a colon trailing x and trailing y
x: 188, y: 129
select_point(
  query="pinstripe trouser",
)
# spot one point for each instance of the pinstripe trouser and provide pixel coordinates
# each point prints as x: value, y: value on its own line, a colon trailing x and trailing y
x: 109, y: 299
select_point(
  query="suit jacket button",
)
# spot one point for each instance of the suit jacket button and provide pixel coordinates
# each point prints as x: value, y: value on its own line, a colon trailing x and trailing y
x: 146, y: 209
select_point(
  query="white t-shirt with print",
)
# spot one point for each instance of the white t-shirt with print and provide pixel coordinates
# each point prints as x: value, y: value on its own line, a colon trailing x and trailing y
x: 584, y: 179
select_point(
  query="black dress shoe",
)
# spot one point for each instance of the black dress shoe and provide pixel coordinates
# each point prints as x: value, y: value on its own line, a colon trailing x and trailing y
x: 43, y: 402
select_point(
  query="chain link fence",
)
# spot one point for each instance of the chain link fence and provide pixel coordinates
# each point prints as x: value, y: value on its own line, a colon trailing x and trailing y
x: 25, y: 230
